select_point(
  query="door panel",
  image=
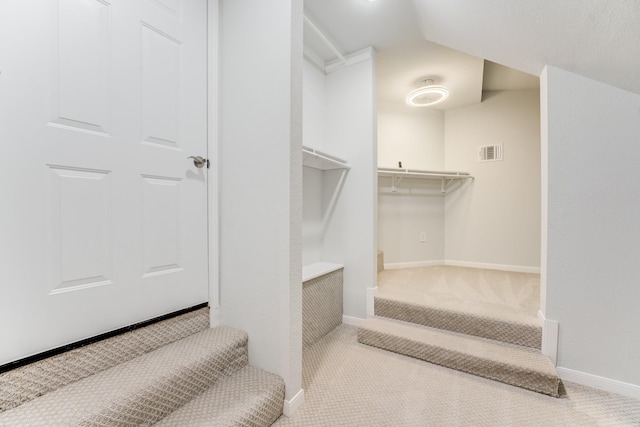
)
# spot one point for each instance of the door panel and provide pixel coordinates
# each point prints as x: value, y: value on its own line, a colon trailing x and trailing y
x: 103, y: 220
x: 80, y: 229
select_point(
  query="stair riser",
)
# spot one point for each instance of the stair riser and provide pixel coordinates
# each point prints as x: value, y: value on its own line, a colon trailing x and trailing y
x: 250, y: 398
x: 474, y: 365
x: 143, y: 390
x: 519, y: 334
x: 28, y: 382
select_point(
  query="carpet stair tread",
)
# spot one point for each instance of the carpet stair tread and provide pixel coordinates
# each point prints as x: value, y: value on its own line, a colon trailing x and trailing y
x: 142, y: 390
x: 22, y: 384
x: 250, y: 397
x: 516, y: 365
x: 470, y: 319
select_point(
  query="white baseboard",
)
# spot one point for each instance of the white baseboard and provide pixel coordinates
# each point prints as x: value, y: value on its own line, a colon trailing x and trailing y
x: 456, y: 263
x: 350, y: 320
x: 412, y: 264
x: 550, y: 330
x: 489, y: 266
x: 601, y: 383
x: 292, y: 405
x: 215, y: 317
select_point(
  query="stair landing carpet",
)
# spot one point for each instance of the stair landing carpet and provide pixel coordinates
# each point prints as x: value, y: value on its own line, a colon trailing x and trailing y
x: 519, y: 366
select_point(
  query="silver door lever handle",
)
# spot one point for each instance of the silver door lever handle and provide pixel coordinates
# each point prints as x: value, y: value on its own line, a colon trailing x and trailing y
x: 199, y: 161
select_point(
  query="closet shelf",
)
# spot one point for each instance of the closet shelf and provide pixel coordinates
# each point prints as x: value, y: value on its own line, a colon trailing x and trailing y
x: 445, y: 177
x: 319, y: 269
x: 323, y: 161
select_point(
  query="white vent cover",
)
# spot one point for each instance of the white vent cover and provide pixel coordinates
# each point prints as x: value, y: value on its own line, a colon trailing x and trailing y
x: 490, y: 153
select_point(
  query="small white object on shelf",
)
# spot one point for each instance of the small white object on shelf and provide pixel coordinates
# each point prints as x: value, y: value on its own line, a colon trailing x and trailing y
x: 323, y: 161
x: 318, y: 269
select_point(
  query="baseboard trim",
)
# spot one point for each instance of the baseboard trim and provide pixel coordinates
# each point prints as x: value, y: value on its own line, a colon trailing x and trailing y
x: 456, y: 263
x: 412, y: 264
x: 353, y: 321
x: 600, y: 383
x: 292, y: 405
x: 489, y: 266
x: 215, y: 317
x: 550, y: 330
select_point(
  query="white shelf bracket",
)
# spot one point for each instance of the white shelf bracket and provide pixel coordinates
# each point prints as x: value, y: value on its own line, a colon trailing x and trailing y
x: 396, y: 181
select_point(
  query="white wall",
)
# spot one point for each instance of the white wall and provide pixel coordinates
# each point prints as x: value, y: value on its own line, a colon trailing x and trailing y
x: 593, y: 236
x: 313, y: 106
x: 495, y: 219
x: 313, y: 135
x: 312, y: 215
x: 350, y: 133
x: 414, y: 136
x: 260, y: 181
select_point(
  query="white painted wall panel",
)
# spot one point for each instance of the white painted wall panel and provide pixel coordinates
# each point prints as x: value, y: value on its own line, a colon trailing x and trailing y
x: 414, y: 136
x: 495, y: 219
x: 402, y: 217
x: 313, y: 214
x: 593, y: 240
x: 313, y: 106
x: 351, y: 235
x: 260, y: 181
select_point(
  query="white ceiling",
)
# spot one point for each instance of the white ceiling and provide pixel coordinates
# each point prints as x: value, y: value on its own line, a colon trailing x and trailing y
x: 403, y: 68
x: 599, y: 39
x: 596, y: 38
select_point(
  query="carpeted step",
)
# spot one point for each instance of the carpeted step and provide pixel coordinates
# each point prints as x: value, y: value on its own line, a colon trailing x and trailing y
x: 470, y: 319
x: 142, y: 390
x: 516, y: 365
x: 251, y: 397
x: 28, y: 382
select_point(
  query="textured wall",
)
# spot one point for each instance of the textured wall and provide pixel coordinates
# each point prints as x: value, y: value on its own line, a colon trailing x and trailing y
x: 593, y: 240
x: 525, y: 35
x: 260, y: 181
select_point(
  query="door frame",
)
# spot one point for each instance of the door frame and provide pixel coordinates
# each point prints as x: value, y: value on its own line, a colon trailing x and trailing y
x: 213, y: 23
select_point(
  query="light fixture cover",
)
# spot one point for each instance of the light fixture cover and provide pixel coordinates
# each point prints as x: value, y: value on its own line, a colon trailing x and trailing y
x: 426, y: 96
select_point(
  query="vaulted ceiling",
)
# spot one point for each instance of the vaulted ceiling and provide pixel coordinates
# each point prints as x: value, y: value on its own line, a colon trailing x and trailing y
x: 450, y: 40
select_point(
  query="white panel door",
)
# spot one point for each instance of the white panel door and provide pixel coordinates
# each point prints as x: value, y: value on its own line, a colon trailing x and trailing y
x: 103, y: 218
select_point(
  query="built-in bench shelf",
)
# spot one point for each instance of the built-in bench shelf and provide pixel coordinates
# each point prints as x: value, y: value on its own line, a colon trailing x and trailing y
x: 321, y: 300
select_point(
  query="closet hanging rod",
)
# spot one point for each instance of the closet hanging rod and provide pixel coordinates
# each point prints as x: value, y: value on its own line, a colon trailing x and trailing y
x: 423, y: 173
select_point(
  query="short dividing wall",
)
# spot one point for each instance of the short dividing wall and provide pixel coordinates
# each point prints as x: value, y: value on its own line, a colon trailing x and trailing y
x: 321, y: 306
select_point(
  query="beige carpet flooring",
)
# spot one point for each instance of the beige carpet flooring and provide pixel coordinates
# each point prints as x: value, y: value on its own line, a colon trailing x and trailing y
x: 351, y: 384
x: 492, y: 292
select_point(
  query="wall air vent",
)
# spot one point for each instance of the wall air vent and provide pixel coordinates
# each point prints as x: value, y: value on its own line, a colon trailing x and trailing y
x: 490, y: 153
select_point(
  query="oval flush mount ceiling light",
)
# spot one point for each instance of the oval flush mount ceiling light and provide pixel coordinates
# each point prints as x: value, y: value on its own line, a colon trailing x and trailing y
x: 427, y: 95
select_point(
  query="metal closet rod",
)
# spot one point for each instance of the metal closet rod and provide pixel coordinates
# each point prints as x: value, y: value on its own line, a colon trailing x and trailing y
x: 424, y: 173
